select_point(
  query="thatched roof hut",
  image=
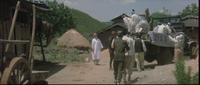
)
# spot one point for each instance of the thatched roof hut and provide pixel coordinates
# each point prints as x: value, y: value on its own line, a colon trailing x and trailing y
x: 74, y: 39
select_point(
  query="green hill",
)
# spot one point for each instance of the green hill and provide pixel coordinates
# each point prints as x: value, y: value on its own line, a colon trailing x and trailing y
x: 86, y: 24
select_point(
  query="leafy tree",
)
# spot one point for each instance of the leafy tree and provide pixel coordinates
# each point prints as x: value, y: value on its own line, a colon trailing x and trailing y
x: 87, y: 24
x: 190, y: 10
x: 164, y: 13
x: 61, y: 17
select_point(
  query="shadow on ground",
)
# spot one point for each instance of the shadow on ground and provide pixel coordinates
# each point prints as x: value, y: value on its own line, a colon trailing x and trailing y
x: 133, y: 81
x: 48, y: 66
x: 151, y: 66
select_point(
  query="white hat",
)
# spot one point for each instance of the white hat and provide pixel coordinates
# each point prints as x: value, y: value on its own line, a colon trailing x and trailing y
x: 168, y: 23
x: 180, y: 36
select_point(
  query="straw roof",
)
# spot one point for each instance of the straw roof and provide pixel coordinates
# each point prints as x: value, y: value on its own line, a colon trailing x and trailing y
x: 74, y: 39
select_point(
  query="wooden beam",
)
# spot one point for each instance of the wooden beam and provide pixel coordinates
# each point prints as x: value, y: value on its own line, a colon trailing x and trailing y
x: 13, y: 24
x: 14, y: 41
x: 33, y: 34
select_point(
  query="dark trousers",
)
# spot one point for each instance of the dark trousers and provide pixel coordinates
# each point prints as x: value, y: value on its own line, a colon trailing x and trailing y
x: 111, y: 59
x: 119, y: 67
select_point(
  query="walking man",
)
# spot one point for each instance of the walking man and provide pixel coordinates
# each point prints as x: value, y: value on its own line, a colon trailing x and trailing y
x: 111, y: 50
x: 140, y: 51
x: 119, y: 46
x: 129, y: 56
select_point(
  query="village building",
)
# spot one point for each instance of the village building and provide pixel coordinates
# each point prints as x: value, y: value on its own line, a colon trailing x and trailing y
x: 23, y: 24
x: 104, y: 34
x: 192, y: 27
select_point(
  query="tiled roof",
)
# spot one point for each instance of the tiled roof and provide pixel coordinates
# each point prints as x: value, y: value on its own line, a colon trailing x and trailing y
x: 40, y: 4
x: 191, y: 21
x: 120, y: 24
x: 120, y: 16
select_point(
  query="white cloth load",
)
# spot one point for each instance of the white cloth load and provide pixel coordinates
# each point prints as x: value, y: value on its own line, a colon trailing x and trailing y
x: 163, y: 39
x: 130, y: 44
x: 162, y: 29
x: 136, y: 24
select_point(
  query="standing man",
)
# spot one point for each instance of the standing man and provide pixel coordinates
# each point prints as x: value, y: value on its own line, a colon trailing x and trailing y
x: 129, y: 56
x: 119, y: 46
x: 178, y: 46
x: 149, y: 19
x: 96, y: 49
x: 140, y: 51
x: 111, y: 50
x: 133, y: 11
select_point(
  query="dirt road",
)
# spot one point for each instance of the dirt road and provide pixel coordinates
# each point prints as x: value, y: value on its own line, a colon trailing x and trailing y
x: 88, y: 73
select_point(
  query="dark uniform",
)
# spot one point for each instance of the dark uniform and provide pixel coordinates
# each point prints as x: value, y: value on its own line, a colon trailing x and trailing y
x: 111, y: 50
x: 119, y: 56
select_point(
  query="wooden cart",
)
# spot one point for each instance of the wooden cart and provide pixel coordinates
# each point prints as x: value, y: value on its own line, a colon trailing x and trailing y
x: 18, y: 70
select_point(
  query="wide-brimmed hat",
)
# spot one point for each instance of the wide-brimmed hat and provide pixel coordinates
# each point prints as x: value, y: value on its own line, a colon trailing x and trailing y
x: 119, y: 34
x: 113, y: 33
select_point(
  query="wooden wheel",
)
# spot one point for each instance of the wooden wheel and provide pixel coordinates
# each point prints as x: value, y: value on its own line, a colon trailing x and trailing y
x: 18, y: 72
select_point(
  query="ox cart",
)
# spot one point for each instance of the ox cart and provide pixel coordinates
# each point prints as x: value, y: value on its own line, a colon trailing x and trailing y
x: 159, y: 48
x: 18, y: 69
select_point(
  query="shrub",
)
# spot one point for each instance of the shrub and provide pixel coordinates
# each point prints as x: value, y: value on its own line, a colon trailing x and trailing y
x: 184, y: 77
x: 195, y: 78
x: 74, y: 56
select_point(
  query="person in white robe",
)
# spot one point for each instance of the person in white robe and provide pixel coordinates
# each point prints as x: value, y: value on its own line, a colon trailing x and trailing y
x: 169, y: 28
x: 178, y: 46
x: 96, y: 49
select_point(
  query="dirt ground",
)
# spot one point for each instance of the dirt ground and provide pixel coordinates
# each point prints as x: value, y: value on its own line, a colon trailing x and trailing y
x: 88, y: 73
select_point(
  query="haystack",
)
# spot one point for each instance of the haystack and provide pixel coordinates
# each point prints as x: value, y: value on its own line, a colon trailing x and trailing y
x: 74, y: 39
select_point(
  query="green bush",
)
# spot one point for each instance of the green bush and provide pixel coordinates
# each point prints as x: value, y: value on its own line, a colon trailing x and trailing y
x: 195, y: 78
x: 184, y: 77
x: 74, y: 56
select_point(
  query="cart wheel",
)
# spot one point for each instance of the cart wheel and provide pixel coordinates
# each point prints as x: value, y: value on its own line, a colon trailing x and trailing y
x: 18, y: 72
x: 192, y: 48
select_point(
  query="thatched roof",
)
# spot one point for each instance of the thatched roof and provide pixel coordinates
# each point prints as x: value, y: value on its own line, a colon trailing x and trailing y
x: 72, y: 38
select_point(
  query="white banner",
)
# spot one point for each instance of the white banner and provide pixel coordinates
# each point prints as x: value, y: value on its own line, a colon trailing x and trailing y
x: 161, y: 39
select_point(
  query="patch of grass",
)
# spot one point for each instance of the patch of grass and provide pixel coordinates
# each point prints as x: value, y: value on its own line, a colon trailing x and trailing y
x: 195, y: 78
x: 74, y: 56
x: 59, y: 54
x: 184, y: 77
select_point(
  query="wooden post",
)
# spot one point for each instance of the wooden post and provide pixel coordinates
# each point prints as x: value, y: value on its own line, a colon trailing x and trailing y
x: 33, y: 35
x: 41, y: 45
x: 13, y: 24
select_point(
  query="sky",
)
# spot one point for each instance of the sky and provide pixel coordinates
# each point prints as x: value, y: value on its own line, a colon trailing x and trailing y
x: 105, y: 10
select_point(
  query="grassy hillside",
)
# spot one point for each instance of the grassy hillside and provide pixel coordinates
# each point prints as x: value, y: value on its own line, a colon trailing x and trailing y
x: 86, y: 24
